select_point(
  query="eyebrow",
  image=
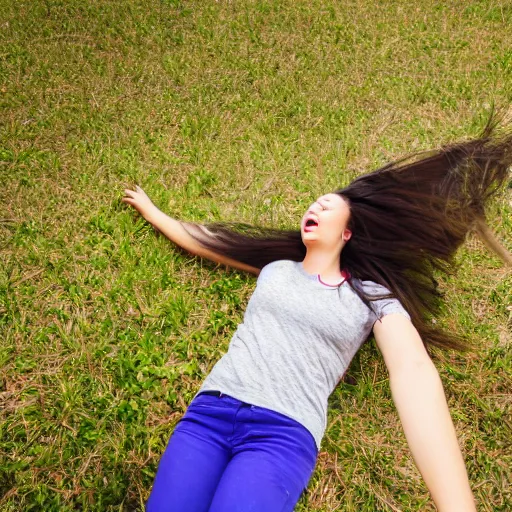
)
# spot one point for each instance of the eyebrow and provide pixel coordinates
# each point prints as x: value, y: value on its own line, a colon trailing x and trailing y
x: 326, y: 199
x: 321, y: 201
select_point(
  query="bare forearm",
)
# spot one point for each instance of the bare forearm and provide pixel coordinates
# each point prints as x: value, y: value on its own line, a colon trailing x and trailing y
x: 175, y: 230
x: 172, y: 229
x: 421, y: 403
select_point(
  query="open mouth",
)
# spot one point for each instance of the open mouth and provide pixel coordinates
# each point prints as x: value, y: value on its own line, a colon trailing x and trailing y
x: 310, y: 224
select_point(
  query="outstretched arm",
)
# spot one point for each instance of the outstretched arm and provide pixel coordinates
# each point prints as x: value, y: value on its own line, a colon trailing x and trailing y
x: 174, y: 230
x: 421, y: 403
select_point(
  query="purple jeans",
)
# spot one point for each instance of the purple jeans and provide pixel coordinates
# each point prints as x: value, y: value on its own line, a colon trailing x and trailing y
x: 229, y: 456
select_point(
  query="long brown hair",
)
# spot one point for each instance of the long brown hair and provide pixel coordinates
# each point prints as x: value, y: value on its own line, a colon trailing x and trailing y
x: 407, y: 219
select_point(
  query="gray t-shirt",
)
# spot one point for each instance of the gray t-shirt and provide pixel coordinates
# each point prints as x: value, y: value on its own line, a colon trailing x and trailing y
x: 297, y: 339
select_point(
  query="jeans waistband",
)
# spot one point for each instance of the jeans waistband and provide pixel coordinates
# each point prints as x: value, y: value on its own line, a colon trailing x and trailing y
x: 212, y: 393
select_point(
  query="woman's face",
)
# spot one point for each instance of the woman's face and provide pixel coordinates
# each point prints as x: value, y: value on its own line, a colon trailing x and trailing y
x: 325, y: 223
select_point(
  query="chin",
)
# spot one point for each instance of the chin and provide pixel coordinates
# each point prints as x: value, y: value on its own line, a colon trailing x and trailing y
x: 308, y: 238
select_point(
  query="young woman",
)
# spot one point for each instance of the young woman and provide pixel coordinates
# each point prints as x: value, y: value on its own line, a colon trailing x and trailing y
x: 363, y: 260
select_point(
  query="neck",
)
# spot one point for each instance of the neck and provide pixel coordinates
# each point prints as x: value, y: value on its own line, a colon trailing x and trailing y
x: 325, y: 264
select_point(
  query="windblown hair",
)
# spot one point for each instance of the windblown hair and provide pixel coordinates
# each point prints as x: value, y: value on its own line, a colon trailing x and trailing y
x: 408, y: 219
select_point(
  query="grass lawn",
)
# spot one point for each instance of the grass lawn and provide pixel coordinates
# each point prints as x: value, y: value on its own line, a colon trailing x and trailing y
x: 234, y: 110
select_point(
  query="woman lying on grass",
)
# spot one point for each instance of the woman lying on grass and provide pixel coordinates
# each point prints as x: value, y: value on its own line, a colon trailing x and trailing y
x: 363, y: 260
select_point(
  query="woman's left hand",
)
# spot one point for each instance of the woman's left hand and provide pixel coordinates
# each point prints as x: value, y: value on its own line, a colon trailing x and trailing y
x: 421, y: 403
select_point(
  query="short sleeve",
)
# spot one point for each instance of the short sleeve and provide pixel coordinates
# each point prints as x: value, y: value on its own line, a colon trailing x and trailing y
x: 386, y: 306
x: 268, y: 271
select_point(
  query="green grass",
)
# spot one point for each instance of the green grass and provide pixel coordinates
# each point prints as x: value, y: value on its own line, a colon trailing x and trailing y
x: 235, y: 111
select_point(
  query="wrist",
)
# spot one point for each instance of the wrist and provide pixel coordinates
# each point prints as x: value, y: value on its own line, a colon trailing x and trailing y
x: 151, y: 214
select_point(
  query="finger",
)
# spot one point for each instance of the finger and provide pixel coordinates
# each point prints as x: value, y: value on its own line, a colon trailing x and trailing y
x: 129, y: 193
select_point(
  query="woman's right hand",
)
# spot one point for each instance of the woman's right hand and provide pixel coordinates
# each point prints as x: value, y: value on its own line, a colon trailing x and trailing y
x: 141, y: 202
x: 175, y: 231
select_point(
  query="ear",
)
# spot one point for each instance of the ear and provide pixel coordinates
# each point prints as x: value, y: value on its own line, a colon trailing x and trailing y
x: 346, y: 235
